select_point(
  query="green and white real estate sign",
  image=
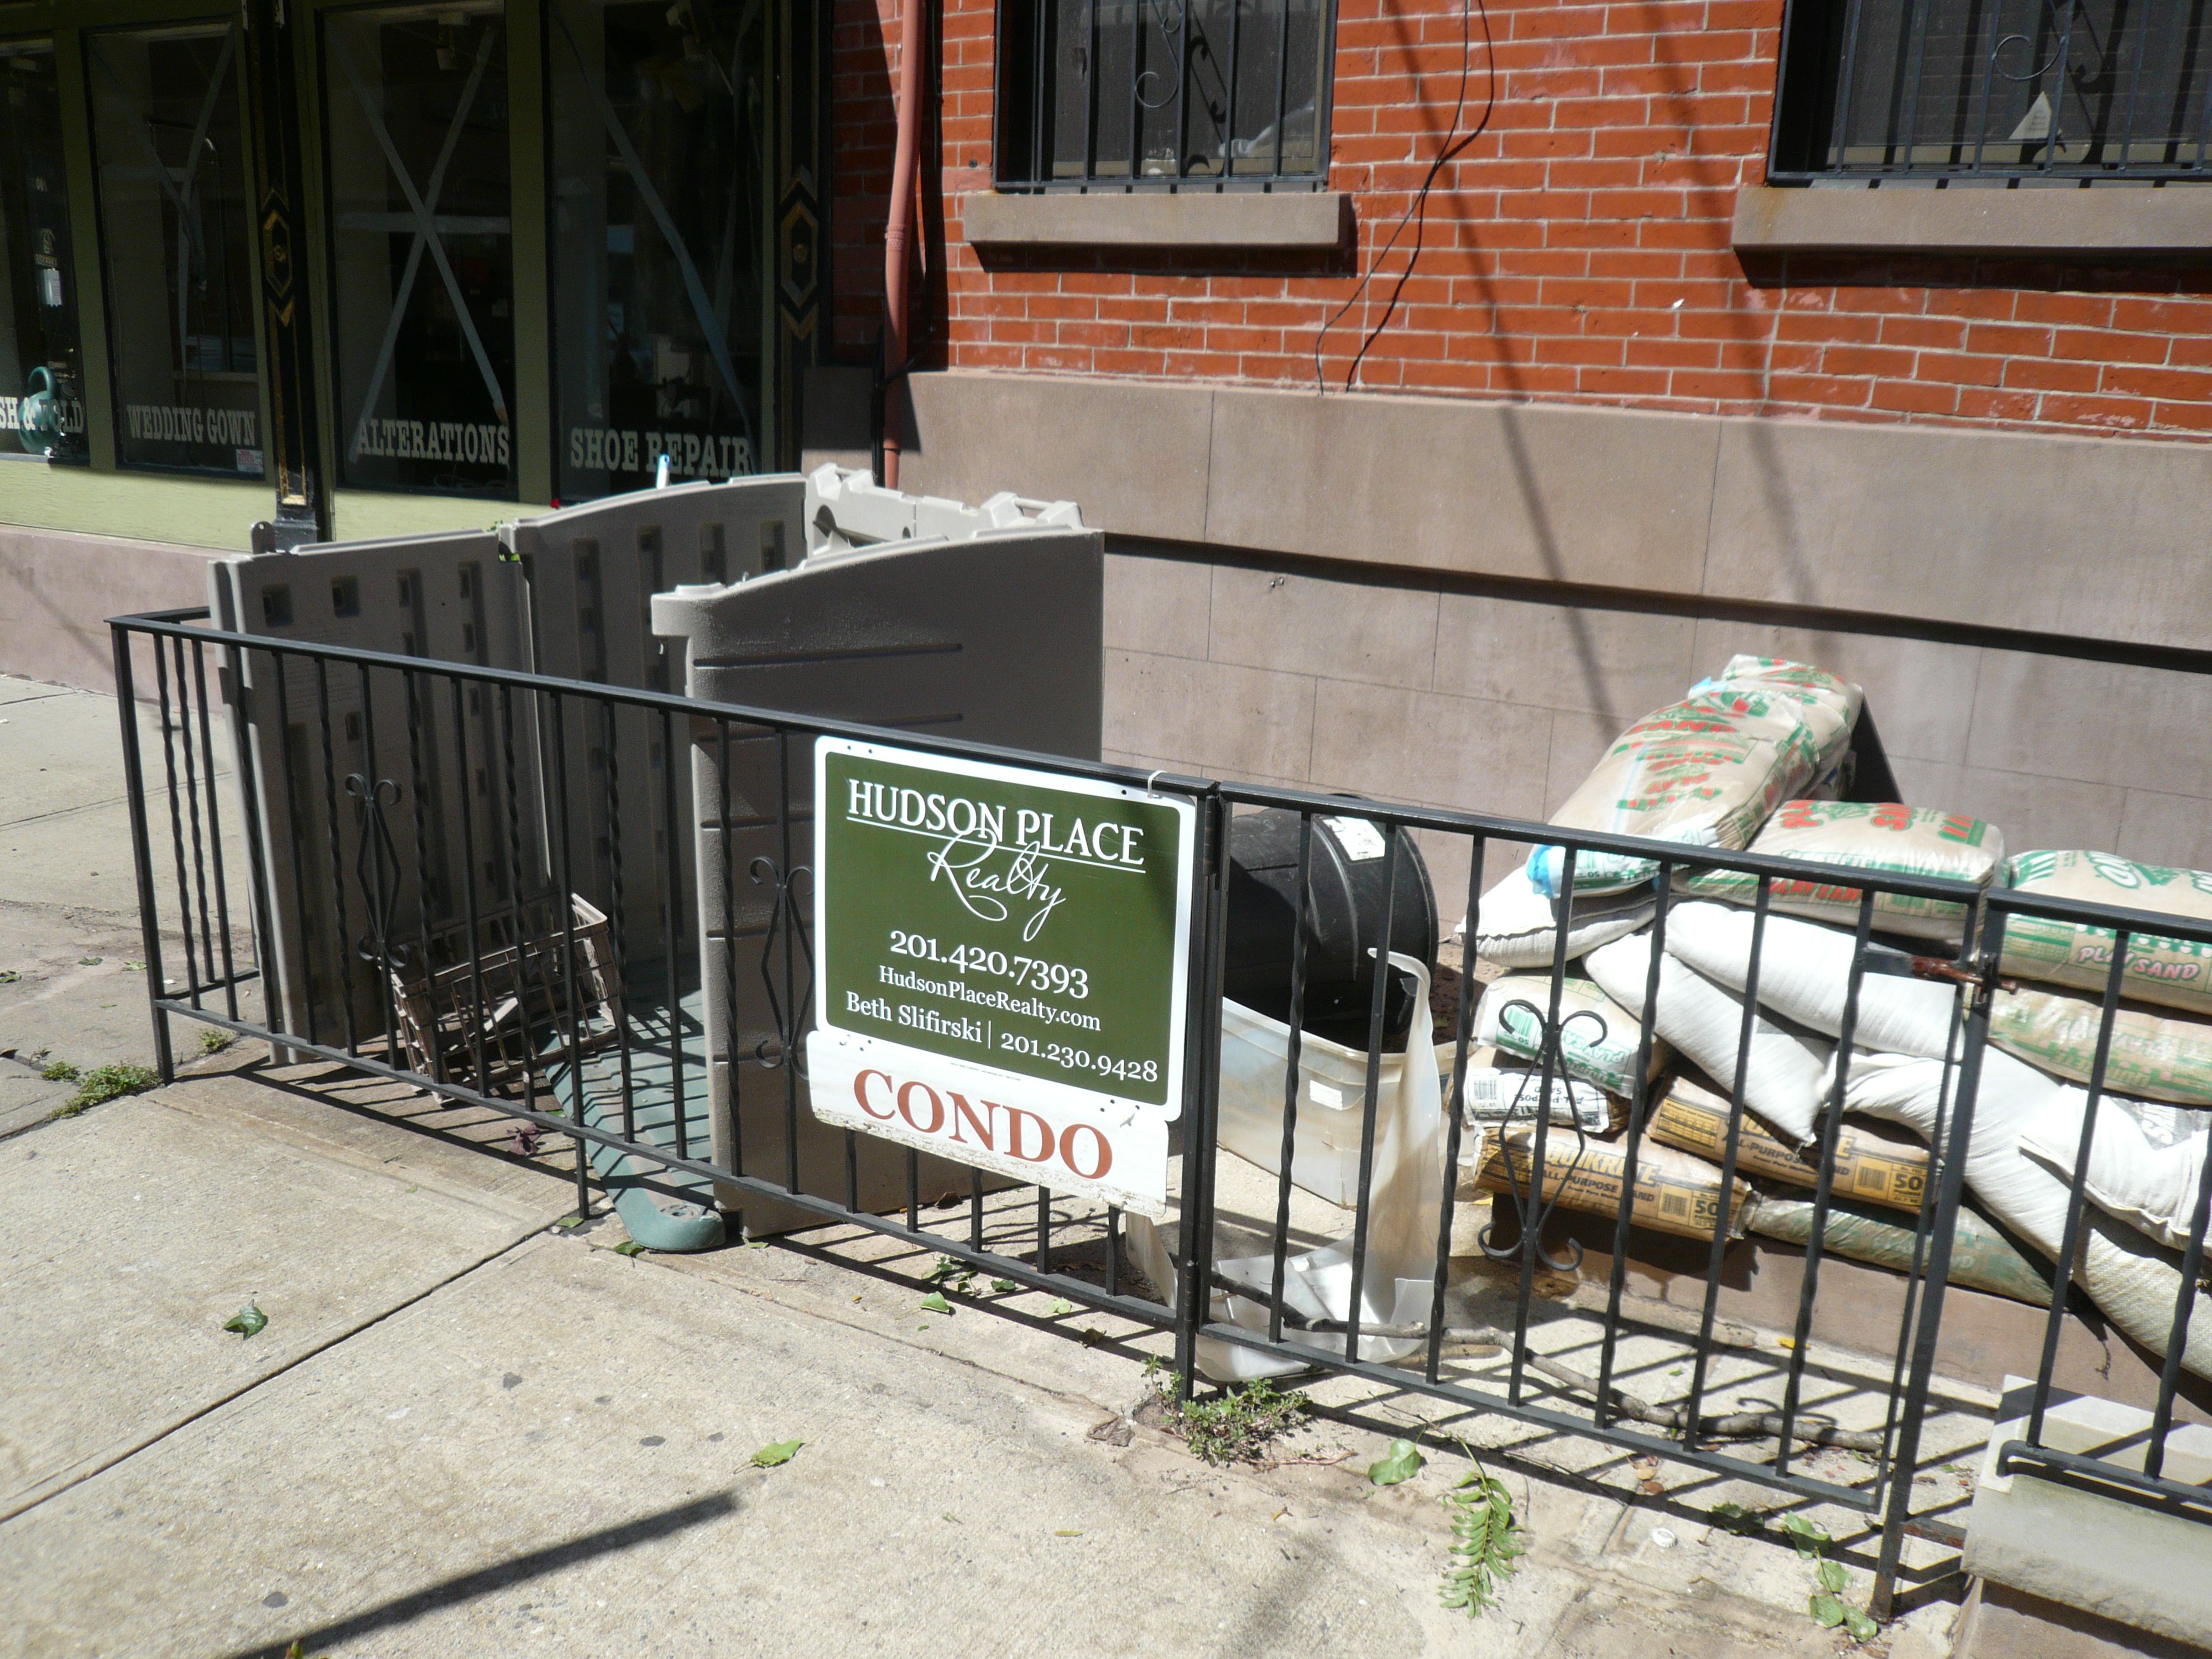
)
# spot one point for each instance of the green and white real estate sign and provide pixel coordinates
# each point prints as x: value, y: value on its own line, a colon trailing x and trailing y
x: 1001, y: 956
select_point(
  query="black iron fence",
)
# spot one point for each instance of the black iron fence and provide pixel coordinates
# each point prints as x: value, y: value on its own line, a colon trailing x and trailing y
x: 426, y: 839
x: 2018, y: 89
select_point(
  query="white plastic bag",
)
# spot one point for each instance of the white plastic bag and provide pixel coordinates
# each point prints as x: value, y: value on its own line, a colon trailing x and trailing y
x: 2125, y: 1273
x: 1405, y: 1205
x: 1518, y: 927
x: 1705, y: 1022
x: 1885, y: 838
x: 1804, y: 974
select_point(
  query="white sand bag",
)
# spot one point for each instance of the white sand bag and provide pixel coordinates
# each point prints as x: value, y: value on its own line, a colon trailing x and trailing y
x: 1804, y: 972
x: 1518, y: 927
x: 1705, y: 1022
x: 2144, y: 1164
x: 1706, y: 770
x: 1885, y: 838
x: 2125, y: 1273
x: 2174, y: 973
x: 2164, y: 1056
x: 1598, y: 1037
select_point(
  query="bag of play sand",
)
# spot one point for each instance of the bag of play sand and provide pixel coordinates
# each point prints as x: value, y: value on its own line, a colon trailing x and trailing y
x: 2174, y: 972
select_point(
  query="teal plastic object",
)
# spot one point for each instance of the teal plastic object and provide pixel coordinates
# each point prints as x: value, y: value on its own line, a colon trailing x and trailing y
x: 676, y: 1212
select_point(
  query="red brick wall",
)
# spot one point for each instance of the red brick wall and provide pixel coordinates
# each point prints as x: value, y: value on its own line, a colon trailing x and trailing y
x: 1578, y: 252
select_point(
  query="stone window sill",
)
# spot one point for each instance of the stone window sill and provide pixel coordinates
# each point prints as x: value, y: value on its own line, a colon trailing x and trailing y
x: 1158, y: 219
x: 2103, y: 221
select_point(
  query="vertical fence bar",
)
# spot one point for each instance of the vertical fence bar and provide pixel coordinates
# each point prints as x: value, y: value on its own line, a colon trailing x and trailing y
x: 1201, y: 1082
x: 176, y: 821
x: 671, y: 908
x: 527, y: 956
x: 1044, y: 1229
x: 1639, y: 1112
x: 1091, y: 96
x: 2062, y: 1287
x: 1136, y: 90
x: 1839, y: 133
x: 2058, y: 102
x: 1282, y: 78
x: 787, y: 878
x: 215, y: 833
x: 192, y: 817
x: 730, y: 1025
x: 1824, y: 1180
x: 340, y: 946
x: 1454, y: 1102
x: 297, y: 836
x: 2184, y: 1305
x: 1912, y: 1406
x: 261, y: 874
x: 619, y: 921
x: 565, y: 898
x: 1377, y: 1001
x: 1532, y: 1222
x: 142, y: 851
x: 373, y: 818
x: 480, y: 1005
x: 1294, y: 1047
x: 1717, y: 1252
x: 424, y: 895
x: 1229, y: 119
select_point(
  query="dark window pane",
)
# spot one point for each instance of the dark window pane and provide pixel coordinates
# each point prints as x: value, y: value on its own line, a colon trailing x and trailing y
x: 422, y: 245
x: 1209, y: 89
x: 2068, y: 87
x: 175, y: 228
x: 660, y: 228
x: 41, y: 390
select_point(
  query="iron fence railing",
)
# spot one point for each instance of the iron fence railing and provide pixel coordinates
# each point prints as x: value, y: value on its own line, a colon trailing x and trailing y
x: 2020, y: 89
x: 1122, y: 94
x: 584, y: 1024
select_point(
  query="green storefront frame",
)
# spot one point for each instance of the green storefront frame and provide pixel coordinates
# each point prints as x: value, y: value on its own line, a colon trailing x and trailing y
x: 100, y: 496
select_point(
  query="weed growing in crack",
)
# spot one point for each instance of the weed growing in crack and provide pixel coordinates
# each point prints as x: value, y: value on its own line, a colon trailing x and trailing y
x: 1826, y: 1606
x: 1486, y: 1541
x: 1235, y: 1427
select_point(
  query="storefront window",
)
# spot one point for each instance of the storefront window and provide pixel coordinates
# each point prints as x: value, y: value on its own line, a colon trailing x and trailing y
x: 42, y: 392
x: 660, y: 227
x: 176, y: 229
x: 422, y: 246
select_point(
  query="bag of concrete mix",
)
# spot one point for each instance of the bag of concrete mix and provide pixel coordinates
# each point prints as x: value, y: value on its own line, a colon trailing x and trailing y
x: 1982, y: 1257
x: 2164, y: 1056
x: 1674, y: 1192
x: 1871, y: 1168
x: 1885, y: 839
x: 2174, y: 973
x: 1598, y: 1037
x: 1500, y: 1094
x: 1805, y: 975
x: 1706, y: 771
x: 1517, y: 927
x: 2144, y: 1164
x: 1704, y: 1021
x: 2133, y: 1279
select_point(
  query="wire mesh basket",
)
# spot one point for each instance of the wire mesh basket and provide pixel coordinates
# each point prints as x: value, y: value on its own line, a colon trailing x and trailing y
x: 488, y: 1011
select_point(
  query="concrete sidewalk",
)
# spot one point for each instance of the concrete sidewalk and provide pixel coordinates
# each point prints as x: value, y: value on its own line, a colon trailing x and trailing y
x: 467, y: 1430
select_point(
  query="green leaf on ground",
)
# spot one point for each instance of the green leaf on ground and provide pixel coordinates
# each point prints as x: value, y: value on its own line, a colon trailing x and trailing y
x: 248, y: 1321
x: 1833, y: 1576
x: 629, y: 1247
x: 1744, y: 1523
x: 89, y: 962
x: 569, y: 1221
x: 60, y: 1072
x: 1809, y: 1539
x: 935, y: 1302
x: 775, y: 1452
x: 1401, y: 1463
x: 1004, y: 1287
x: 1827, y: 1612
x: 134, y: 967
x: 1862, y: 1627
x: 1061, y: 1308
x: 8, y: 976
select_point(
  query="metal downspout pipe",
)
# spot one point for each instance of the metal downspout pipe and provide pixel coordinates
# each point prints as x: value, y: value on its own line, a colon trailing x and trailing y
x: 898, y: 235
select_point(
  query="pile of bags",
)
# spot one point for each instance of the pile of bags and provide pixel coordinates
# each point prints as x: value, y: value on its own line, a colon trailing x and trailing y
x: 1749, y: 760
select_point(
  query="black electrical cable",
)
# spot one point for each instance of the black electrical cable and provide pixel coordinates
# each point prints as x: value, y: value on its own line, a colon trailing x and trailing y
x: 1416, y: 214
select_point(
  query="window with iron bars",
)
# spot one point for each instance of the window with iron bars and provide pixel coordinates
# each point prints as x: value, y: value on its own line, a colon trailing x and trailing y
x: 1133, y: 95
x: 2000, y: 89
